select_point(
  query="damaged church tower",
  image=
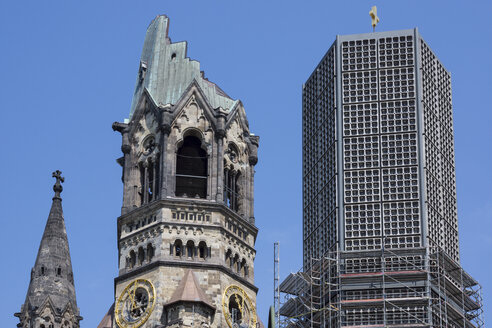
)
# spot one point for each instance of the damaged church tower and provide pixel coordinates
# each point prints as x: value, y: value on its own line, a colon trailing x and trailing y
x: 50, y: 300
x: 187, y: 230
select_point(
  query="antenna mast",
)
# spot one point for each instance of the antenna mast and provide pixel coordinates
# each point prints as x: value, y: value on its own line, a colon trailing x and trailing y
x: 276, y: 278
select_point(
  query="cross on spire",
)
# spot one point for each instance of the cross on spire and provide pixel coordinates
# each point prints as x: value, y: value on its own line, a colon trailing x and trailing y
x: 57, y: 188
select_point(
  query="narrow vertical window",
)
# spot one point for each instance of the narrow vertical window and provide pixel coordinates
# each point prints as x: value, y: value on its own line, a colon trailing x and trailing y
x: 133, y: 259
x: 141, y: 255
x: 178, y: 248
x: 190, y: 249
x: 150, y: 252
x: 149, y: 172
x: 231, y: 189
x: 191, y: 169
x: 202, y: 250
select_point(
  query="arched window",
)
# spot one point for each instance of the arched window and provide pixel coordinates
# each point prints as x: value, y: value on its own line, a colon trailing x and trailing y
x: 228, y: 258
x: 236, y: 264
x: 149, y: 179
x: 244, y: 268
x: 178, y: 248
x: 133, y: 259
x: 231, y: 189
x: 141, y: 255
x: 190, y: 249
x: 202, y: 250
x: 150, y: 252
x: 191, y: 169
x: 149, y: 172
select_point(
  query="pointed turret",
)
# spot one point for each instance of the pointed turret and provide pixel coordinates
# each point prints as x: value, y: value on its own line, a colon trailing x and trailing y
x: 189, y: 305
x: 50, y: 299
x: 189, y: 290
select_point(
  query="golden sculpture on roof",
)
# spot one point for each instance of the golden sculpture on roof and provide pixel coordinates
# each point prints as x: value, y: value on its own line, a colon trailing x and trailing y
x: 374, y: 17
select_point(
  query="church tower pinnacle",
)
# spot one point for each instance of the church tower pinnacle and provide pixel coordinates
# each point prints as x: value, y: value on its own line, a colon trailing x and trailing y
x: 50, y: 300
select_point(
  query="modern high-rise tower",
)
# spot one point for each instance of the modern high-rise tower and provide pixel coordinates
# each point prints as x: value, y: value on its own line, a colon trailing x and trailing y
x: 380, y: 226
x: 187, y: 231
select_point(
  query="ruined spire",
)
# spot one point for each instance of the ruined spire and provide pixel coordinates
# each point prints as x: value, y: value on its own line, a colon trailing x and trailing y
x: 166, y: 72
x: 51, y: 292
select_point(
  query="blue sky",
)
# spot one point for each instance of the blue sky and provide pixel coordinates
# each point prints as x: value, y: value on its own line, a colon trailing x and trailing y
x: 68, y: 70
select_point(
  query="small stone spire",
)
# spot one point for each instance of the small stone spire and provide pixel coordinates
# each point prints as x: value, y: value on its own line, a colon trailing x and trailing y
x: 50, y: 298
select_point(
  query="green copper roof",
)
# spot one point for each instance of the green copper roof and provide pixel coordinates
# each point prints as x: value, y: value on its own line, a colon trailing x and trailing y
x: 166, y: 72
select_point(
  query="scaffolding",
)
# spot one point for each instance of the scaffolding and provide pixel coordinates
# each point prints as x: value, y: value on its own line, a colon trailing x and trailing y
x: 418, y: 287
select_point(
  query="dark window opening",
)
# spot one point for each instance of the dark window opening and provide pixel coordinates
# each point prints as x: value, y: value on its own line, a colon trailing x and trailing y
x: 149, y: 180
x: 244, y: 268
x: 231, y: 189
x: 228, y: 258
x: 237, y: 264
x: 58, y: 271
x: 133, y: 259
x: 190, y: 249
x: 141, y: 255
x: 178, y: 248
x: 191, y: 169
x: 202, y: 250
x: 150, y: 252
x: 42, y: 271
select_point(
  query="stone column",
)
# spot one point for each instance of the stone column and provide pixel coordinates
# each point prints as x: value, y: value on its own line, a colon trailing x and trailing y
x: 220, y: 134
x: 253, y: 159
x: 145, y: 187
x: 165, y: 128
x: 127, y: 175
x: 155, y: 183
x: 233, y: 191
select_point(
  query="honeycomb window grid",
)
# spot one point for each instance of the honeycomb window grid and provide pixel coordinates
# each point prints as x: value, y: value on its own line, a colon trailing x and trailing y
x: 398, y: 116
x: 360, y: 86
x: 362, y: 186
x: 359, y: 55
x: 363, y: 220
x: 395, y: 53
x: 399, y: 149
x: 396, y: 83
x: 361, y: 152
x: 360, y: 119
x: 400, y: 183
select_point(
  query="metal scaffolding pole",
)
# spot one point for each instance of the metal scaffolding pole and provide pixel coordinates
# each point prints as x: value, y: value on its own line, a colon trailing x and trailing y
x: 276, y: 279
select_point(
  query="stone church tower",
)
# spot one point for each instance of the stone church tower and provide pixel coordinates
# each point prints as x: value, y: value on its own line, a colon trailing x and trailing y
x: 187, y: 230
x: 50, y: 300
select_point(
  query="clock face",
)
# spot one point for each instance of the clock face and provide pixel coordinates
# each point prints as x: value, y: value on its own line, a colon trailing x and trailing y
x: 135, y: 304
x: 238, y: 309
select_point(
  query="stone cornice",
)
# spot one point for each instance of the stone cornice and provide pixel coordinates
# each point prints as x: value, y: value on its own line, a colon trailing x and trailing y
x: 210, y: 205
x: 183, y: 264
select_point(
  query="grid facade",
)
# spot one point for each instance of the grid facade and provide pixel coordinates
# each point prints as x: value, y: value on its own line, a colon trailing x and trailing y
x: 319, y: 159
x: 378, y: 153
x: 380, y: 234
